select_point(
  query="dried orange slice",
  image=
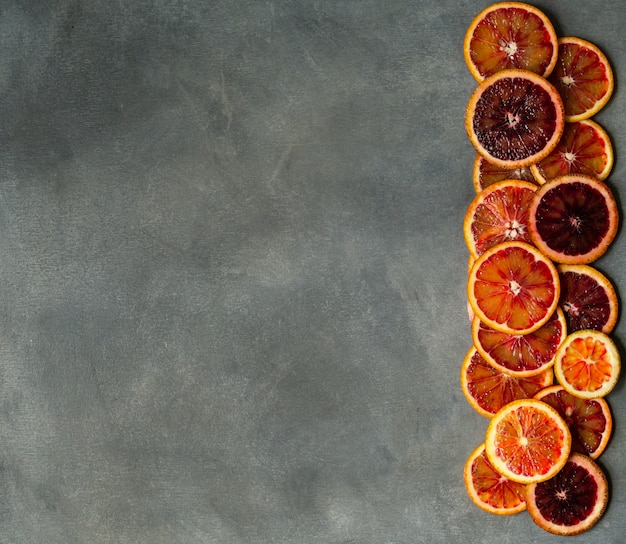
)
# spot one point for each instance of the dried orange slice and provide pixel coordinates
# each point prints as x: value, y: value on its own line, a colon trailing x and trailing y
x: 583, y: 77
x: 584, y: 148
x: 590, y: 421
x: 488, y: 489
x: 514, y: 118
x: 510, y: 35
x: 498, y: 214
x: 587, y: 364
x: 485, y: 174
x: 513, y: 288
x: 527, y: 441
x: 488, y: 390
x: 573, y: 501
x: 588, y: 298
x: 573, y: 219
x: 521, y: 355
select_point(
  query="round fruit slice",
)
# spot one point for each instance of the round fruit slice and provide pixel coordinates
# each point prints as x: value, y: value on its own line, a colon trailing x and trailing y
x: 514, y: 118
x: 583, y: 78
x: 584, y: 148
x: 573, y: 219
x: 588, y: 298
x: 510, y: 35
x: 521, y: 355
x: 513, y: 288
x: 488, y: 390
x: 589, y: 420
x: 527, y: 441
x: 498, y: 214
x: 486, y: 174
x: 489, y: 490
x: 587, y: 364
x: 571, y: 502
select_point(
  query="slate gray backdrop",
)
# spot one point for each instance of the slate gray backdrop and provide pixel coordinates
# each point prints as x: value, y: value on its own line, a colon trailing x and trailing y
x: 232, y: 272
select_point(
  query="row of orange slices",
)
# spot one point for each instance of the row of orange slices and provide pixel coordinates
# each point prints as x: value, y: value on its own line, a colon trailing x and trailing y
x: 541, y: 312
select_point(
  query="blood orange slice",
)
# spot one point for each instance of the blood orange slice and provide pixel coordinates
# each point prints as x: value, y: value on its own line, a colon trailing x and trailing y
x: 588, y: 298
x: 498, y: 214
x: 485, y: 174
x: 583, y: 78
x: 510, y: 35
x: 513, y: 288
x: 489, y: 490
x: 488, y: 390
x: 587, y: 364
x: 584, y: 148
x: 521, y: 355
x: 527, y: 441
x: 571, y: 502
x: 514, y: 118
x: 589, y: 420
x: 573, y: 219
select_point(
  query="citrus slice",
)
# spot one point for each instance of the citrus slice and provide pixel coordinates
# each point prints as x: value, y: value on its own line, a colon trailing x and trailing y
x: 573, y: 219
x: 514, y: 118
x: 584, y: 148
x: 513, y: 288
x: 583, y: 77
x: 588, y: 298
x: 488, y: 489
x: 485, y: 174
x: 571, y: 502
x: 510, y: 35
x: 590, y: 421
x: 587, y: 364
x: 521, y: 355
x: 498, y: 214
x: 527, y: 441
x: 487, y: 389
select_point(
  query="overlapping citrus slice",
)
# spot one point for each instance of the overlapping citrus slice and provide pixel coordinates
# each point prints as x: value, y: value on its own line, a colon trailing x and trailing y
x: 513, y: 288
x: 485, y: 174
x: 488, y: 390
x: 584, y: 148
x: 587, y: 364
x: 510, y: 35
x: 521, y: 355
x: 571, y: 502
x: 527, y: 441
x: 514, y: 118
x: 583, y: 77
x: 498, y: 214
x: 590, y: 421
x: 588, y: 298
x: 573, y: 219
x: 489, y: 490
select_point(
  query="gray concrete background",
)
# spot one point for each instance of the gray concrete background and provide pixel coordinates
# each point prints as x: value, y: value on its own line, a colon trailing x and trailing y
x: 232, y: 271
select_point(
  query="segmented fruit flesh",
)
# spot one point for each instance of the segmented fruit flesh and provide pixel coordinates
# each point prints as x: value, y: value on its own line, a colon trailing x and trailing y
x: 587, y: 364
x: 584, y: 302
x: 486, y: 174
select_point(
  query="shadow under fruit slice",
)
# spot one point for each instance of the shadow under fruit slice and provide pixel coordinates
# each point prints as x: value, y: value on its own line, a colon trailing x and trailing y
x: 514, y: 118
x: 571, y: 502
x: 513, y: 288
x: 573, y: 219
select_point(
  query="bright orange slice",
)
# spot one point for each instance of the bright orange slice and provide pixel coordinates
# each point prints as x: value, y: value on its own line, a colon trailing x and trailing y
x: 489, y: 490
x: 510, y: 35
x: 573, y: 501
x: 513, y: 288
x: 488, y: 390
x: 485, y: 174
x: 498, y: 214
x: 514, y: 118
x: 589, y: 420
x: 573, y: 219
x: 588, y: 298
x: 587, y: 364
x: 521, y: 355
x: 583, y: 77
x: 527, y: 441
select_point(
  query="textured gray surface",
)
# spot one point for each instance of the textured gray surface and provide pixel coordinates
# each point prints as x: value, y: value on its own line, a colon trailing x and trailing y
x: 232, y: 272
